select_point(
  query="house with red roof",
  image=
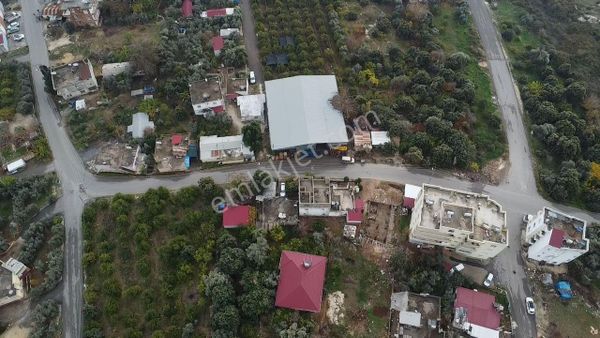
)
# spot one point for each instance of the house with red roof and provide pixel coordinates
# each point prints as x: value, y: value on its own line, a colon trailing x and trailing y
x: 355, y: 216
x: 301, y: 280
x: 187, y: 8
x: 236, y: 216
x: 217, y: 12
x: 555, y: 238
x: 476, y: 313
x: 217, y: 43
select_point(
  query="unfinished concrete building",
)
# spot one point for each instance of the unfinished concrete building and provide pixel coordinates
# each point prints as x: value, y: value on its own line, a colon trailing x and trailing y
x: 325, y: 196
x: 471, y: 224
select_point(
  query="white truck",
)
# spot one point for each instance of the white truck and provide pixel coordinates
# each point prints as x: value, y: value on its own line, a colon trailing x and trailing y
x: 347, y: 159
x: 14, y: 167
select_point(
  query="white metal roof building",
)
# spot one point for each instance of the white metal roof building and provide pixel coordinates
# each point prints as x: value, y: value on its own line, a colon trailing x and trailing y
x: 379, y: 138
x: 300, y: 112
x: 139, y: 123
x: 251, y: 107
x: 226, y: 149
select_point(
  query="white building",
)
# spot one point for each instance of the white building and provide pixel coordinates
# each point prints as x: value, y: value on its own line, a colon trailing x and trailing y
x: 207, y: 97
x: 3, y: 35
x: 251, y: 107
x: 323, y: 196
x: 226, y: 149
x: 140, y: 123
x: 300, y: 112
x: 470, y: 224
x: 555, y: 238
x: 226, y: 32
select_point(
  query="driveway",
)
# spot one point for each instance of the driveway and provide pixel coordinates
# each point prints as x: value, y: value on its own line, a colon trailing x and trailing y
x: 251, y: 41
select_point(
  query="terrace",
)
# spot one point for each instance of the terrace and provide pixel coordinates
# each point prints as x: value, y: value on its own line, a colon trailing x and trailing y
x: 572, y: 227
x: 463, y: 211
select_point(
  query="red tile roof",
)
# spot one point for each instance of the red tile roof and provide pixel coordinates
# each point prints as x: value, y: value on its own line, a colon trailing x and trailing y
x: 176, y: 139
x: 556, y: 238
x: 231, y: 96
x: 359, y: 204
x: 301, y: 279
x: 218, y: 109
x: 234, y: 217
x: 216, y: 12
x: 354, y: 216
x: 187, y: 8
x: 408, y: 202
x: 217, y: 43
x: 479, y: 306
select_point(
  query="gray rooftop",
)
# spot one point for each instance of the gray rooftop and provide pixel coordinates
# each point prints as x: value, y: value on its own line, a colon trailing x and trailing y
x: 139, y: 123
x: 300, y: 112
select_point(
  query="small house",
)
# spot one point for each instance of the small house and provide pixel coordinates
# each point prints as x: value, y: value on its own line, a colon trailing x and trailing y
x: 301, y: 280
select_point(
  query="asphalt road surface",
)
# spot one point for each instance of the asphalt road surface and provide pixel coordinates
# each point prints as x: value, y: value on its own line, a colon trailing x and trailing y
x: 517, y: 194
x: 251, y: 41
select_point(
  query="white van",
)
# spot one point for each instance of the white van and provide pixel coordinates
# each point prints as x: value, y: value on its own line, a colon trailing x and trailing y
x: 347, y: 159
x: 15, y: 167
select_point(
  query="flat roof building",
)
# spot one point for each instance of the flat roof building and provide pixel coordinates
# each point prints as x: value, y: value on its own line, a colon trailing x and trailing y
x: 472, y: 225
x: 414, y: 315
x: 226, y: 149
x: 555, y: 238
x: 251, y: 107
x: 74, y: 79
x: 300, y: 112
x: 207, y: 97
x: 322, y: 196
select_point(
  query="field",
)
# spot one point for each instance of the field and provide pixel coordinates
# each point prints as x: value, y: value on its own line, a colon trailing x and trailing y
x: 303, y: 32
x: 572, y: 319
x: 154, y: 264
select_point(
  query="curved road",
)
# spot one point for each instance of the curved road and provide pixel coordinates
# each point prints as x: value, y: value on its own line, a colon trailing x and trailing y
x: 518, y: 194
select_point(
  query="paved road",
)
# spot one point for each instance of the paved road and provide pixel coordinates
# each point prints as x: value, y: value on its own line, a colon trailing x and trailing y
x: 70, y: 171
x: 251, y: 41
x: 508, y: 266
x: 517, y: 195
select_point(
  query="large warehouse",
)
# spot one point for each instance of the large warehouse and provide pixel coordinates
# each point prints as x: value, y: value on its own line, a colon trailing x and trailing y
x: 300, y: 112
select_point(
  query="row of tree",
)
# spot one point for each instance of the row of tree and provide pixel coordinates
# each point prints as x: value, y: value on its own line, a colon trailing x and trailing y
x: 23, y: 194
x: 563, y: 122
x: 16, y: 93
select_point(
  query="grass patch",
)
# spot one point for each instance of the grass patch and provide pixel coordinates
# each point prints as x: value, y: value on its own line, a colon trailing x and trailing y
x: 507, y: 12
x: 487, y: 135
x: 572, y: 319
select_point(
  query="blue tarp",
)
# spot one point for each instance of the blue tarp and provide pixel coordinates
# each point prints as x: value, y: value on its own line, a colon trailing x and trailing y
x: 187, y: 162
x: 564, y: 290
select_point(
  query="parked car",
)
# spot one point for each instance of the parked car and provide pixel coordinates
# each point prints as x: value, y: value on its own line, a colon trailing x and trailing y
x: 457, y: 268
x: 488, y: 280
x: 527, y: 218
x: 14, y: 24
x: 252, y: 77
x: 282, y: 189
x: 11, y: 30
x: 347, y: 159
x: 18, y: 37
x: 12, y: 16
x: 530, y: 305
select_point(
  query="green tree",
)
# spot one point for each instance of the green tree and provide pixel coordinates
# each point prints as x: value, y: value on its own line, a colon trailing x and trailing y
x: 442, y: 156
x: 231, y: 261
x: 252, y: 136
